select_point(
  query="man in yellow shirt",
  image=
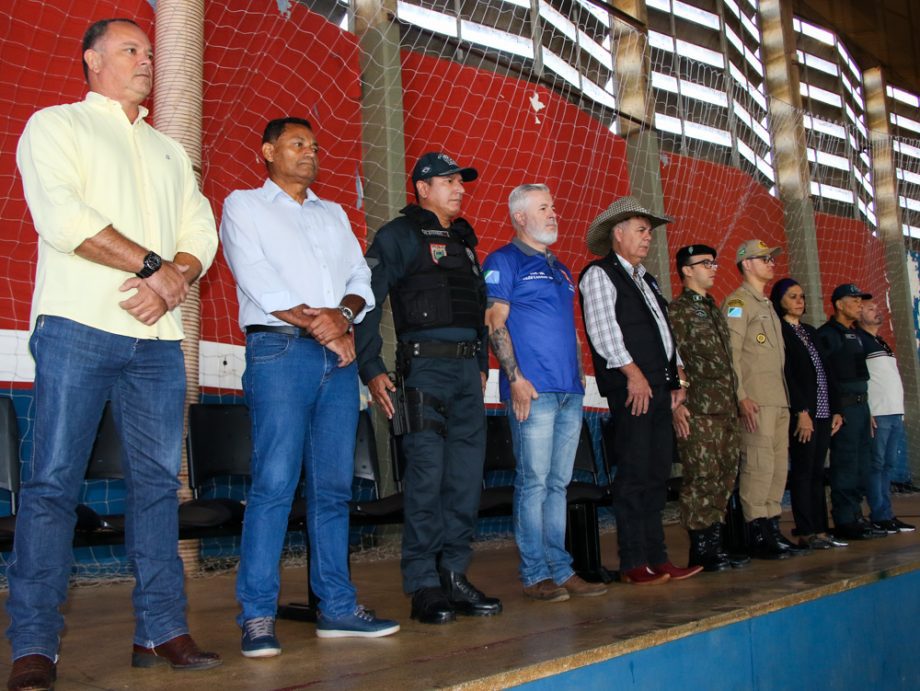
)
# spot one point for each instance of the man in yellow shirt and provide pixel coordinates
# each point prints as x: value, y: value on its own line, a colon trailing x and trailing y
x: 123, y: 231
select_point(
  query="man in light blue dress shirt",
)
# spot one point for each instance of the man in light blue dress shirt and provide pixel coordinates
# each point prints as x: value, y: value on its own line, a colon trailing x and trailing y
x: 301, y: 283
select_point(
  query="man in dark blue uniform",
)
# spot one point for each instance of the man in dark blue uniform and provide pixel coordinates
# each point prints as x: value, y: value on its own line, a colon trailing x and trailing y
x: 426, y: 261
x: 851, y: 448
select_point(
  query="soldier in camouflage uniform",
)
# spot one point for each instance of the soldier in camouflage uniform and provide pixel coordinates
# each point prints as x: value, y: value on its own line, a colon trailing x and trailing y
x: 707, y: 427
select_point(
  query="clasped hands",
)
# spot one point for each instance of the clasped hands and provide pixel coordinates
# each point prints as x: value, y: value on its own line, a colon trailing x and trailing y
x: 156, y: 294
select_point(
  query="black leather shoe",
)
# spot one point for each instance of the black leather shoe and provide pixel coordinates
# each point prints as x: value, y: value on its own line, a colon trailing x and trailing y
x: 429, y: 606
x: 782, y: 542
x: 465, y: 598
x: 854, y: 531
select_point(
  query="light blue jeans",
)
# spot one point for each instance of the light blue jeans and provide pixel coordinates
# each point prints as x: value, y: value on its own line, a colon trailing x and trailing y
x: 544, y: 449
x: 304, y: 411
x: 889, y: 431
x: 78, y: 368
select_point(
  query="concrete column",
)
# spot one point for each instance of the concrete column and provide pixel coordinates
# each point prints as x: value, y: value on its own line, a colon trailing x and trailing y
x: 636, y: 126
x: 384, y: 157
x: 177, y: 104
x: 888, y: 212
x: 790, y: 158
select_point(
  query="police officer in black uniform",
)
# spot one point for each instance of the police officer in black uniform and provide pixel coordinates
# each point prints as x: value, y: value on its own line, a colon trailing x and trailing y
x: 851, y: 448
x: 426, y: 261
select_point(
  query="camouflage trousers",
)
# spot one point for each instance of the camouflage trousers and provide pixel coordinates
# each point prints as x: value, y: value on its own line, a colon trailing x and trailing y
x: 710, y: 457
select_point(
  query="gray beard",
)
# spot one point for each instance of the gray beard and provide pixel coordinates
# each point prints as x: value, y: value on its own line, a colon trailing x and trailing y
x: 547, y: 237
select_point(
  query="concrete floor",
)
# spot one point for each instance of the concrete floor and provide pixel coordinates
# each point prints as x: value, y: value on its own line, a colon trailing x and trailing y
x: 528, y: 641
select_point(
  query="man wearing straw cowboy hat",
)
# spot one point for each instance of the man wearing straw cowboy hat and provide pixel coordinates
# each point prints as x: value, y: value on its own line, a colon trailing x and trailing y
x: 637, y: 368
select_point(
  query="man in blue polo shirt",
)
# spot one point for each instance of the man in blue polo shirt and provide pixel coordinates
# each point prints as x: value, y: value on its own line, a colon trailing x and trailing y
x: 531, y: 322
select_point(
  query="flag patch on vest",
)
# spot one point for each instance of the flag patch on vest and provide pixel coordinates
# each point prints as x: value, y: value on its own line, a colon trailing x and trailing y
x: 438, y: 252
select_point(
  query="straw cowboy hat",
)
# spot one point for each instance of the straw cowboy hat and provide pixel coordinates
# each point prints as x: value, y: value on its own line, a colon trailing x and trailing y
x: 622, y: 209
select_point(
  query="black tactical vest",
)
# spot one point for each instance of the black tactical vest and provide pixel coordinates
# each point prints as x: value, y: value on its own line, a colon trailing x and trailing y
x: 640, y: 332
x: 443, y: 285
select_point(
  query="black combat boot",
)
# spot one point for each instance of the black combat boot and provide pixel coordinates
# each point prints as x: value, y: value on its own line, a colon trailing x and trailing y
x: 430, y: 606
x: 704, y: 551
x: 736, y: 559
x: 763, y: 544
x: 465, y: 598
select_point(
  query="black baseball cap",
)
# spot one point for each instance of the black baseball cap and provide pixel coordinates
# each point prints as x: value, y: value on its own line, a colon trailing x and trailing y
x: 848, y: 290
x: 686, y: 254
x: 435, y: 164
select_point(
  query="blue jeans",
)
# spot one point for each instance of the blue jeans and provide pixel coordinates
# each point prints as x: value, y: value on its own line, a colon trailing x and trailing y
x: 78, y: 368
x: 544, y: 448
x: 885, y: 447
x: 304, y: 411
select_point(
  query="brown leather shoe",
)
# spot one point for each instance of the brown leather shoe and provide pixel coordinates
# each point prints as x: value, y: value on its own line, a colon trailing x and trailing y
x: 546, y: 591
x: 581, y: 588
x: 180, y: 652
x: 32, y: 673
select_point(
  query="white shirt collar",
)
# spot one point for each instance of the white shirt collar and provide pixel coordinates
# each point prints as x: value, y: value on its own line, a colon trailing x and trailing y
x: 271, y: 190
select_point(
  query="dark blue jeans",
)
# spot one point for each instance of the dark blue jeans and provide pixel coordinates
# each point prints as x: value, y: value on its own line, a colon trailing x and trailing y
x: 851, y: 458
x: 885, y: 458
x: 77, y: 368
x: 304, y: 411
x: 544, y: 449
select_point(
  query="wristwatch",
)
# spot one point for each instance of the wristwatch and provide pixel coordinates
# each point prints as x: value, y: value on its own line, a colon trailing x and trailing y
x: 152, y: 264
x: 684, y: 384
x: 347, y: 313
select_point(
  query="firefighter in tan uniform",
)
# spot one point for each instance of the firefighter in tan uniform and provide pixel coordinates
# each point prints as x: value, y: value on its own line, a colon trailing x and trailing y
x: 758, y: 355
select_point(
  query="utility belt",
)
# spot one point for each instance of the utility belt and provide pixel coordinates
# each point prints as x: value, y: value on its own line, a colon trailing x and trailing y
x: 462, y: 350
x: 849, y: 399
x: 410, y: 404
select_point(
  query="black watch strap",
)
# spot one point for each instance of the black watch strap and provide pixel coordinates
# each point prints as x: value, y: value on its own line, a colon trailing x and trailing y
x: 152, y: 264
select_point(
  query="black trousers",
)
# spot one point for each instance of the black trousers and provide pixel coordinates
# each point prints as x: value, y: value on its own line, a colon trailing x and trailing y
x: 851, y: 460
x: 806, y: 477
x: 643, y: 451
x: 443, y: 480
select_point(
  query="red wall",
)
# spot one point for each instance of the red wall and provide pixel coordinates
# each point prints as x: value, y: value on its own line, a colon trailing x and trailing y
x: 41, y: 59
x: 719, y: 206
x: 260, y: 65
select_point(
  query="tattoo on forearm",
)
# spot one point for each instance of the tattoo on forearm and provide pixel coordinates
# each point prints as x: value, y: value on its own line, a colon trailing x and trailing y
x: 504, y: 352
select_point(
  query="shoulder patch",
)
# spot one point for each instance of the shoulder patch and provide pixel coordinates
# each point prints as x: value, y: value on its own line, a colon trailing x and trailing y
x: 734, y: 312
x: 493, y: 276
x: 735, y: 302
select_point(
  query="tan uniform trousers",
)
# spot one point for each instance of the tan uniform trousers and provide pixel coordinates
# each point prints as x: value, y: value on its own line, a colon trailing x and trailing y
x: 764, y: 464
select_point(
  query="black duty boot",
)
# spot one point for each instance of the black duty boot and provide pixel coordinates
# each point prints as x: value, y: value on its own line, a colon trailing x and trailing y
x: 430, y: 606
x: 781, y: 540
x: 737, y: 560
x: 704, y: 551
x: 763, y: 544
x: 465, y: 598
